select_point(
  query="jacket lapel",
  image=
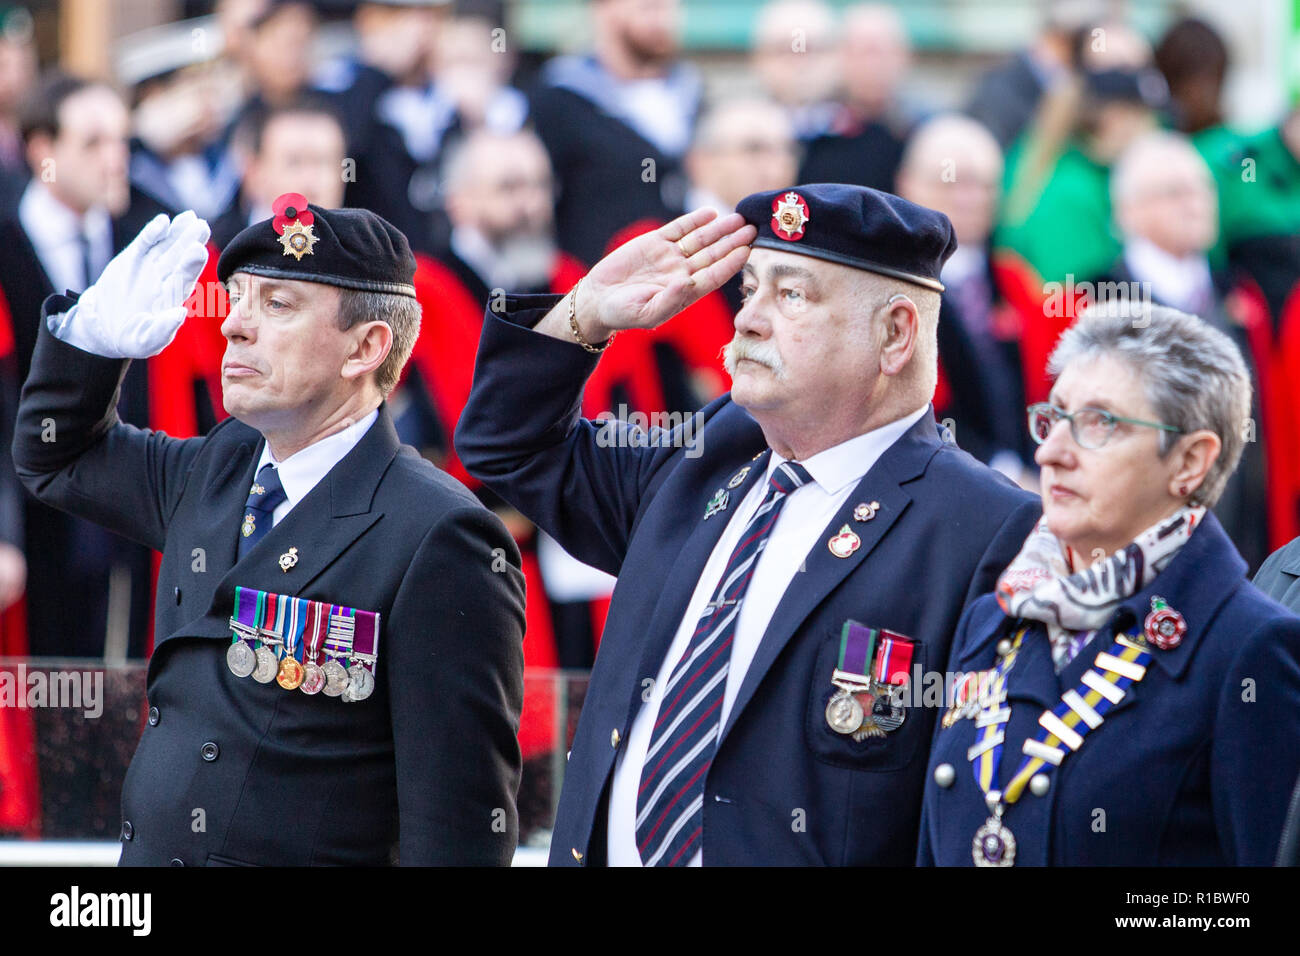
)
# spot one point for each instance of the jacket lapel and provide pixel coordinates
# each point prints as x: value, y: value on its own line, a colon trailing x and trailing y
x: 822, y: 570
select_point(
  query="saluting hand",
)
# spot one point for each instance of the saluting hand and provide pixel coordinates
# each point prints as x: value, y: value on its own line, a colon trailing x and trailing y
x: 137, y: 305
x: 645, y: 282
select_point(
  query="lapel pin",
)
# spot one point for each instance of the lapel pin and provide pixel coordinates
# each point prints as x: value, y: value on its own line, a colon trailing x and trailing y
x: 738, y: 478
x: 1164, y: 627
x: 845, y: 543
x: 718, y: 503
x: 865, y: 512
x: 288, y: 560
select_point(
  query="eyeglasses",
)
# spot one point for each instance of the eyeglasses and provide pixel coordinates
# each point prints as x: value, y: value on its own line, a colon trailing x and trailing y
x: 1090, y: 427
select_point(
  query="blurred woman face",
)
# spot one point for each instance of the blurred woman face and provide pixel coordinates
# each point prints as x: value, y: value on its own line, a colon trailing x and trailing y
x: 1097, y: 500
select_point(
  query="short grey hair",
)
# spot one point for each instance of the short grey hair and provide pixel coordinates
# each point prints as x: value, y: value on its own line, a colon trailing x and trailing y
x: 401, y: 313
x: 1193, y: 374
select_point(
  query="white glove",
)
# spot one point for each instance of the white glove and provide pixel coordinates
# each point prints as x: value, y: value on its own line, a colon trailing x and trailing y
x: 137, y: 306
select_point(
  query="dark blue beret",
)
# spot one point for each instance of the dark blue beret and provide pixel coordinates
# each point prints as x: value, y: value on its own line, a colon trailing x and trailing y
x: 854, y: 226
x: 351, y: 248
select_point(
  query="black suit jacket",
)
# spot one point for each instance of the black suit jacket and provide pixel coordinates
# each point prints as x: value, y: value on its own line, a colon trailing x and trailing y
x: 599, y: 164
x: 634, y: 506
x: 229, y: 771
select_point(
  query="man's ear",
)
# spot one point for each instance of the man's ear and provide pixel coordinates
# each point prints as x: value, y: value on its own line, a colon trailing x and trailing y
x: 371, y: 343
x: 37, y: 148
x: 902, y: 326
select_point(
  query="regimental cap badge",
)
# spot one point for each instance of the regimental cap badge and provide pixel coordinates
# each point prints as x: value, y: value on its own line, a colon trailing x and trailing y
x: 293, y: 223
x: 789, y: 215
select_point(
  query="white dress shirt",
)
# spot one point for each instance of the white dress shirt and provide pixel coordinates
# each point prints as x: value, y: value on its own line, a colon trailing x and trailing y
x: 803, y: 520
x: 1182, y: 282
x: 55, y: 232
x: 303, y: 470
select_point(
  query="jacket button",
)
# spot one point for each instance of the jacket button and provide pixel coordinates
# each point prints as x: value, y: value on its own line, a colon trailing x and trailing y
x: 614, y: 738
x: 945, y: 775
x: 177, y: 593
x: 1039, y: 784
x: 177, y: 861
x: 210, y: 751
x: 153, y: 716
x: 576, y: 855
x: 128, y: 831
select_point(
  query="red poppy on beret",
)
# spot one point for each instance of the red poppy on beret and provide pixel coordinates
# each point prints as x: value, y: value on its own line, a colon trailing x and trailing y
x: 291, y: 207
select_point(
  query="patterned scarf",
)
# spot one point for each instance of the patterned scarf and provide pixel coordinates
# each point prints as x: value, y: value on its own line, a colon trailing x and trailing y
x: 1039, y: 585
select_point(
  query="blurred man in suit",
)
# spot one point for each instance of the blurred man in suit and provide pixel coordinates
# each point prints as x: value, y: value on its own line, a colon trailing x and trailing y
x: 616, y: 123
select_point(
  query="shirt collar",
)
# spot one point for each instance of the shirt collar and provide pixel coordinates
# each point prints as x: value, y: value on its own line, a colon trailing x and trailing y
x: 303, y: 470
x: 1180, y: 281
x: 48, y: 221
x: 836, y: 467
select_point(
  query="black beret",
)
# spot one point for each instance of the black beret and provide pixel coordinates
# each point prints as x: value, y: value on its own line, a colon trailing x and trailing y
x: 352, y: 248
x: 854, y: 226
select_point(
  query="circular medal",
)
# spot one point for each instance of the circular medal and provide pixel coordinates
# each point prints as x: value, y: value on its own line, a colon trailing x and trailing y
x: 993, y: 844
x: 267, y: 666
x: 336, y: 679
x: 290, y: 674
x: 240, y: 659
x: 361, y: 683
x: 313, y: 678
x: 844, y: 713
x: 887, y: 715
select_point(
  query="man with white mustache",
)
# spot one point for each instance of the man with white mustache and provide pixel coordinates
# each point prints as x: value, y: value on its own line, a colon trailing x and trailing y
x: 777, y: 593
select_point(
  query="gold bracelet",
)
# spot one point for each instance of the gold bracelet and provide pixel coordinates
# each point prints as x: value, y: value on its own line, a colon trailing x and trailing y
x: 573, y: 325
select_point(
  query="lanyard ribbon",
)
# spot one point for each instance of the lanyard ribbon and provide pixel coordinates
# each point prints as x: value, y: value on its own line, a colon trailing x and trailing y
x: 1062, y: 728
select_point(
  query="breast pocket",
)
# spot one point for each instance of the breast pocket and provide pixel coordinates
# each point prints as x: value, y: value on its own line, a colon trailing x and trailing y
x: 893, y: 751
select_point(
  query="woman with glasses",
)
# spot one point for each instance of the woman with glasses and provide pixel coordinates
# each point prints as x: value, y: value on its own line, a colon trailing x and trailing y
x: 1125, y: 696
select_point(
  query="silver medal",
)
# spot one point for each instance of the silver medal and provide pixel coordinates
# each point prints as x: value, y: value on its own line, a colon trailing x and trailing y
x: 313, y: 678
x: 887, y: 713
x: 240, y: 659
x: 268, y: 665
x: 843, y: 712
x: 994, y: 844
x: 336, y: 679
x: 361, y: 683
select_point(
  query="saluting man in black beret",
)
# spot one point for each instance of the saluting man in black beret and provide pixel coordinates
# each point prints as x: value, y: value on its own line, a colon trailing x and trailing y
x: 788, y: 564
x: 338, y: 661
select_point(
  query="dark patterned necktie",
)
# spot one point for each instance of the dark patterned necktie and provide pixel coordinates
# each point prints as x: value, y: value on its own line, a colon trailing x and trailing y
x: 266, y: 494
x: 670, y: 803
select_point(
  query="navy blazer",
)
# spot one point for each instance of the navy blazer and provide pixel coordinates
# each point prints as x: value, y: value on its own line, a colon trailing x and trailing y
x: 783, y: 787
x: 1193, y: 767
x: 232, y: 772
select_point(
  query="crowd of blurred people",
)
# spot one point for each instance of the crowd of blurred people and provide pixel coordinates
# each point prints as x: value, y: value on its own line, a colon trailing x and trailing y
x: 1096, y: 162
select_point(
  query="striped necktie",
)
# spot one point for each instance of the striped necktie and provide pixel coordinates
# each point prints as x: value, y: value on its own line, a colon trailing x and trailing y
x: 263, y: 498
x: 670, y: 802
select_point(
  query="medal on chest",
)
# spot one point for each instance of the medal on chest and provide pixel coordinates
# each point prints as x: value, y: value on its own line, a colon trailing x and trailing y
x: 872, y: 672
